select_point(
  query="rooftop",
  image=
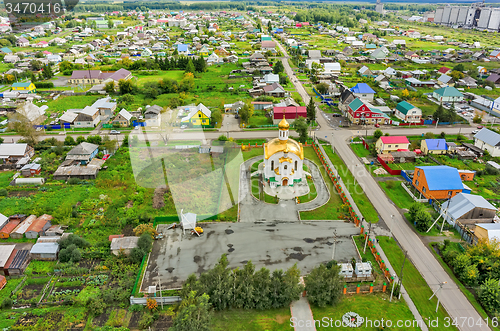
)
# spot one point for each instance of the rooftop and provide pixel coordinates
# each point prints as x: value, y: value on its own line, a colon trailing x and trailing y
x: 442, y: 178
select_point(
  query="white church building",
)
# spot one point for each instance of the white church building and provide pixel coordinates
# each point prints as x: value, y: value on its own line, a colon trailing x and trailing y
x: 283, y: 159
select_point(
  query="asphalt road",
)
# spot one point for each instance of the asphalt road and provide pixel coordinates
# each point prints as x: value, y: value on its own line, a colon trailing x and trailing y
x: 452, y: 299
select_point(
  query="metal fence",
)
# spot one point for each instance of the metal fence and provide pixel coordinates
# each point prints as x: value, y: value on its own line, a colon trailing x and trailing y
x: 165, y: 300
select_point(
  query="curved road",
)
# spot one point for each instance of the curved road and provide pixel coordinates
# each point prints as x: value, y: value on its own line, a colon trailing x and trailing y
x: 452, y: 299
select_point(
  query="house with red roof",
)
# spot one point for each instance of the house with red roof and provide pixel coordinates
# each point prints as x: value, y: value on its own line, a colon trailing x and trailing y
x: 444, y: 70
x: 41, y: 44
x: 291, y: 113
x: 388, y: 144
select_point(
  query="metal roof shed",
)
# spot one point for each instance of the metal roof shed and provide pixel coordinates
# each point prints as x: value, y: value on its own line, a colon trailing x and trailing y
x: 123, y: 245
x: 45, y: 251
x: 39, y: 226
x: 19, y: 231
x: 17, y: 263
x: 3, y: 220
x: 5, y: 253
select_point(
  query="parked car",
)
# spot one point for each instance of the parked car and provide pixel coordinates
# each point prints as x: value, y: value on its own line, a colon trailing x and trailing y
x: 480, y: 126
x: 105, y: 157
x: 475, y: 131
x: 377, y: 125
x: 114, y: 132
x: 62, y: 133
x: 184, y: 126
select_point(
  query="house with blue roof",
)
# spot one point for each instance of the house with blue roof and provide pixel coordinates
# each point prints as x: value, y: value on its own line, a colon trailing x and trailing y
x: 363, y: 91
x: 434, y: 146
x: 5, y: 50
x: 183, y: 49
x: 437, y: 182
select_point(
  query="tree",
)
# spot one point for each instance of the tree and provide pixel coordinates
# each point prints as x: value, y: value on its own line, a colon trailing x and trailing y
x: 187, y: 83
x: 278, y: 67
x: 109, y: 87
x: 489, y: 295
x: 194, y: 314
x: 429, y: 135
x: 423, y: 220
x: 94, y: 139
x: 440, y: 114
x: 125, y: 86
x: 377, y: 134
x: 80, y: 139
x: 311, y: 110
x: 145, y: 228
x: 216, y: 117
x: 110, y: 144
x: 21, y: 124
x: 405, y: 94
x: 322, y: 88
x: 456, y: 75
x: 324, y: 286
x: 477, y: 119
x: 190, y: 67
x: 459, y: 67
x: 246, y: 112
x: 69, y: 141
x: 47, y: 72
x: 301, y: 127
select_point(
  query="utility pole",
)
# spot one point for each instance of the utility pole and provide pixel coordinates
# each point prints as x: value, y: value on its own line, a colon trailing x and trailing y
x: 393, y: 284
x: 435, y: 292
x: 161, y: 298
x: 446, y: 211
x: 334, y: 243
x: 437, y: 123
x: 401, y: 275
x: 367, y: 237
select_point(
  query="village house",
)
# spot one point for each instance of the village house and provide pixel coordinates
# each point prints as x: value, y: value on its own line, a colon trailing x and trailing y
x: 434, y: 146
x: 97, y: 76
x: 487, y: 140
x: 122, y: 118
x: 408, y: 113
x: 152, y: 115
x: 468, y: 209
x: 197, y: 116
x: 83, y: 153
x: 437, y: 182
x: 388, y: 144
x: 12, y: 153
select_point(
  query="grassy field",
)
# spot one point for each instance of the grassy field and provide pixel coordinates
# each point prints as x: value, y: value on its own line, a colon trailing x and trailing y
x: 332, y: 209
x: 360, y: 150
x: 372, y: 307
x: 357, y: 193
x: 396, y: 193
x: 252, y: 320
x: 64, y: 103
x: 414, y: 284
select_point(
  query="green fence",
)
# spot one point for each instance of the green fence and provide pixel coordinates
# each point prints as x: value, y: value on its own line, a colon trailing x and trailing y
x: 138, y: 278
x: 107, y: 126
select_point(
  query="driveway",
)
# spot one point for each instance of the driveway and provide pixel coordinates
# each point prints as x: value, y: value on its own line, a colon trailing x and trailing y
x: 60, y: 81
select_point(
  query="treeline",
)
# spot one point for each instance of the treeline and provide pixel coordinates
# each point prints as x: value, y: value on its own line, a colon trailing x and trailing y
x: 245, y: 288
x: 335, y: 14
x: 145, y: 6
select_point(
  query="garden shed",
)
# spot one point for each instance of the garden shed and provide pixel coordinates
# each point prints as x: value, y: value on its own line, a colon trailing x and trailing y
x: 346, y: 270
x: 5, y: 253
x: 3, y: 220
x: 17, y: 262
x: 19, y: 231
x: 363, y: 269
x: 123, y: 245
x: 45, y: 251
x: 38, y: 227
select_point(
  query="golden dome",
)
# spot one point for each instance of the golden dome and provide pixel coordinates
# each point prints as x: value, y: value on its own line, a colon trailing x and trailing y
x: 283, y: 125
x: 286, y: 146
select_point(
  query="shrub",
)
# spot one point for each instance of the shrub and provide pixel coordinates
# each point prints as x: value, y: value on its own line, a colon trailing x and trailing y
x: 73, y: 181
x: 146, y: 321
x: 6, y: 303
x: 44, y: 85
x: 3, y: 192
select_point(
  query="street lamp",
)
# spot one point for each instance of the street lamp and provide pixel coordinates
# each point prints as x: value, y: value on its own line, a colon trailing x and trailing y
x: 393, y: 284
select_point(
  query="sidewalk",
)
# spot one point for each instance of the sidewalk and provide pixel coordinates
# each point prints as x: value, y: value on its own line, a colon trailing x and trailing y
x: 302, y: 316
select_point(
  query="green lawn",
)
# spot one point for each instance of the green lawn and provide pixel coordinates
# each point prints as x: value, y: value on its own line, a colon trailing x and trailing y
x: 360, y: 150
x: 158, y: 75
x: 254, y: 151
x: 312, y: 192
x: 64, y: 103
x: 332, y: 209
x: 252, y: 320
x: 357, y: 193
x: 372, y: 307
x: 5, y: 178
x: 414, y: 284
x: 368, y: 256
x: 396, y: 193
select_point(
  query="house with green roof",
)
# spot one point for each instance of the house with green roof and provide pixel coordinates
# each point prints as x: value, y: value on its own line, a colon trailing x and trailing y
x: 448, y: 94
x: 27, y: 87
x: 408, y: 112
x: 360, y: 113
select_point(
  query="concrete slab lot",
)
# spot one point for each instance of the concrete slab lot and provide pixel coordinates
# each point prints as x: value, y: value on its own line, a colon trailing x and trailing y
x: 270, y: 245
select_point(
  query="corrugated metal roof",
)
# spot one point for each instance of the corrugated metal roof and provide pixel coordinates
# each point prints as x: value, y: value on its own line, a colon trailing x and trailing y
x: 39, y: 223
x: 124, y: 243
x: 45, y: 248
x: 24, y: 225
x: 5, y: 253
x: 462, y: 203
x: 362, y: 88
x: 442, y: 178
x: 436, y: 144
x: 19, y: 259
x: 488, y: 136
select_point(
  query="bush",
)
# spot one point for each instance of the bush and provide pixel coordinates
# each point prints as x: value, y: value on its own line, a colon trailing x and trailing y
x: 44, y: 85
x: 6, y: 303
x: 146, y: 321
x: 73, y: 181
x: 3, y: 192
